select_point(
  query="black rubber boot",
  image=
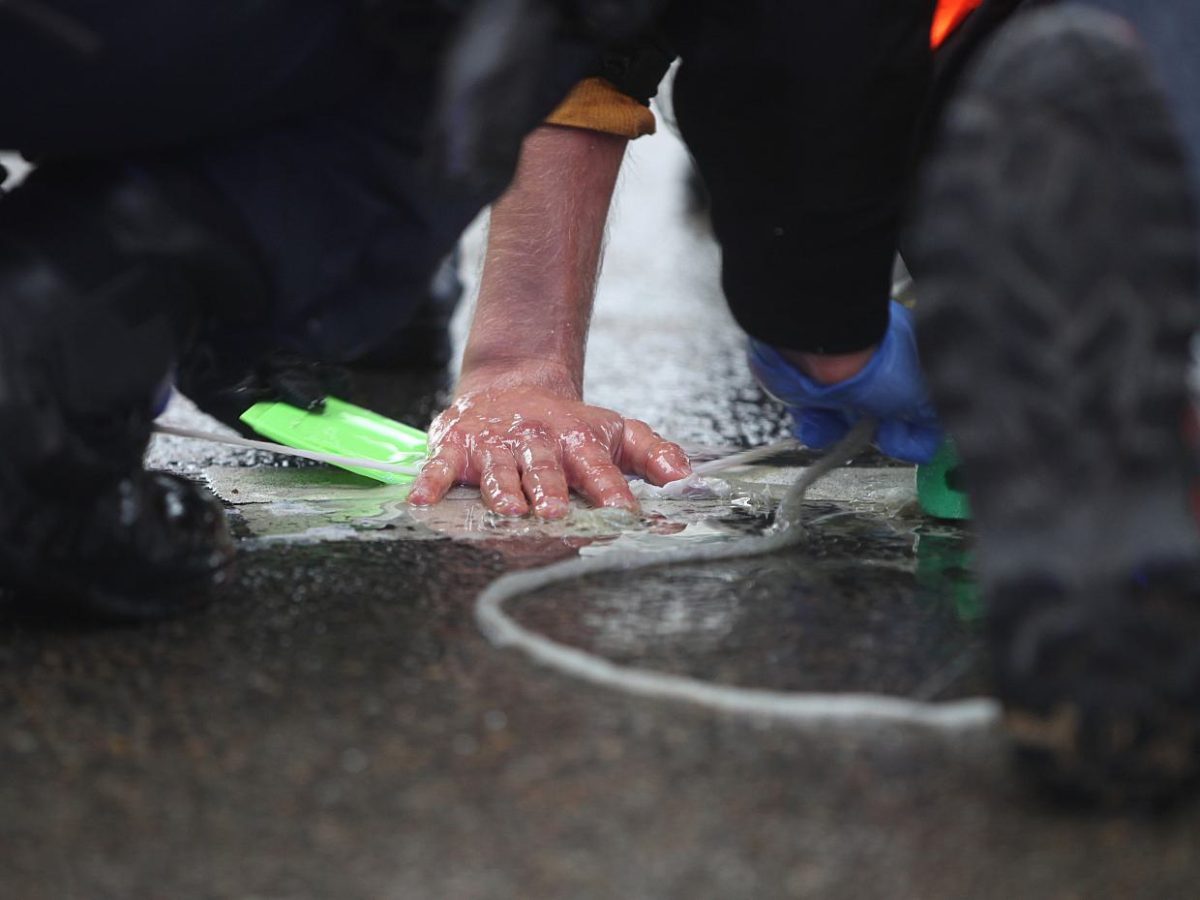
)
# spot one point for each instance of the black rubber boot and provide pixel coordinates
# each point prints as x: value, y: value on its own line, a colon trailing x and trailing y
x: 103, y: 279
x: 225, y: 378
x: 1056, y: 248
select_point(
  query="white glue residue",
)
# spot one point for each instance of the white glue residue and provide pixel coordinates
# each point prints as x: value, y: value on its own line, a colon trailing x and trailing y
x: 694, y: 487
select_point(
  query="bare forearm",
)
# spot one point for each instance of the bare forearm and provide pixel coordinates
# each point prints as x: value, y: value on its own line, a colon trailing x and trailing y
x: 542, y: 259
x: 519, y: 427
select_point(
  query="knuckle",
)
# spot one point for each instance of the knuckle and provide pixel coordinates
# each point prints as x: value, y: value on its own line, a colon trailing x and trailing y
x: 435, y: 465
x: 542, y: 469
x: 608, y: 482
x: 488, y: 462
x: 442, y: 438
x: 539, y: 455
x: 607, y: 475
x: 493, y: 482
x: 663, y: 449
x: 530, y: 431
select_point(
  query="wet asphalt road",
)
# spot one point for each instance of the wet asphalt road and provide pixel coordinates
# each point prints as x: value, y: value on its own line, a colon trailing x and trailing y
x: 337, y: 727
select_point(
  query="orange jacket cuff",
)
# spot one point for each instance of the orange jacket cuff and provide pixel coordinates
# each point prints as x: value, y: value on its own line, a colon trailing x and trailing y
x: 596, y: 105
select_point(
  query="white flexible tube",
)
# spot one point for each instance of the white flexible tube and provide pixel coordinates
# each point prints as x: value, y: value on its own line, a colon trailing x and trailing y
x: 793, y: 708
x: 744, y: 458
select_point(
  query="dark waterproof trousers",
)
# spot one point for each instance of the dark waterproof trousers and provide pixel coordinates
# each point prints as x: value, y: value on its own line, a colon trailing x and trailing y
x: 803, y: 120
x: 807, y: 120
x: 288, y: 118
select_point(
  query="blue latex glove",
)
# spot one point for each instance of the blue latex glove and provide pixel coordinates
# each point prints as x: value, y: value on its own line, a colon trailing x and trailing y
x: 890, y: 389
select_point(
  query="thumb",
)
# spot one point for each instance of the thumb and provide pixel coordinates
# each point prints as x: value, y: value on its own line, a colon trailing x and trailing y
x: 818, y: 429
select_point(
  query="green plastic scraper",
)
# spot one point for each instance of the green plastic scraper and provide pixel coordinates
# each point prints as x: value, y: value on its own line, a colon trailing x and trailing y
x: 346, y: 432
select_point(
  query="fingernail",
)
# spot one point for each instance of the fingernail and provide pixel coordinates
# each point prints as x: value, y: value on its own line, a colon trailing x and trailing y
x: 621, y: 503
x: 510, y: 508
x: 553, y: 509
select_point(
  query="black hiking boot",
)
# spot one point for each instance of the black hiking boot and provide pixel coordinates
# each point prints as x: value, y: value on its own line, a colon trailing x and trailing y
x: 103, y: 279
x: 1059, y: 287
x: 151, y: 545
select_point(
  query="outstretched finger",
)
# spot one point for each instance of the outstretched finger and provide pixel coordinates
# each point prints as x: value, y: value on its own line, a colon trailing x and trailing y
x: 438, y: 475
x: 543, y: 479
x: 647, y: 454
x: 500, y: 484
x: 591, y: 471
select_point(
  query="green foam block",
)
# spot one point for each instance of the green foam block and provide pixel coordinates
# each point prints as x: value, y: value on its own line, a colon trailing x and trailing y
x: 343, y: 429
x: 938, y: 488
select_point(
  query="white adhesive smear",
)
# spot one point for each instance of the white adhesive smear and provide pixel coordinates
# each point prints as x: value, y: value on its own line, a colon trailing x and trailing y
x: 694, y: 487
x: 648, y: 542
x: 792, y: 708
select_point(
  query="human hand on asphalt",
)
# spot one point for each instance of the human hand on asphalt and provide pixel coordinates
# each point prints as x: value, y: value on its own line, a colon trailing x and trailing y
x: 527, y: 446
x: 889, y: 388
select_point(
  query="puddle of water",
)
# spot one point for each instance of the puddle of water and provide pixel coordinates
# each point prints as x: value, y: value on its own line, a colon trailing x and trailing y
x: 321, y: 504
x: 866, y: 604
x: 875, y: 598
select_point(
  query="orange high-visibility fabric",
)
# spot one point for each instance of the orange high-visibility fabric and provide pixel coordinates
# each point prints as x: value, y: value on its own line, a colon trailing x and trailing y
x: 596, y: 105
x: 949, y: 15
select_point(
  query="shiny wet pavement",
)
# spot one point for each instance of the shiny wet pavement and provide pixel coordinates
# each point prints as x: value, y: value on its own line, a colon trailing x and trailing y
x: 337, y: 726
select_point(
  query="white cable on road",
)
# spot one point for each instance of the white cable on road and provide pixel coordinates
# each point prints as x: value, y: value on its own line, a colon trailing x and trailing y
x: 793, y: 708
x: 744, y: 458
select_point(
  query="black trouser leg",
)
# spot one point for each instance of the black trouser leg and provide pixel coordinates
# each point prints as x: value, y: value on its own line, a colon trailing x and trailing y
x: 105, y: 272
x: 803, y: 119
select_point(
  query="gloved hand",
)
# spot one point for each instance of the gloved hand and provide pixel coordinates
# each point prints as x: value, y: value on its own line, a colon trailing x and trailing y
x: 295, y: 380
x: 226, y: 386
x: 890, y: 389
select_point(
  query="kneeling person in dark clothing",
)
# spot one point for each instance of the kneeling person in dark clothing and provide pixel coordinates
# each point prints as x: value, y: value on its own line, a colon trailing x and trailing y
x: 217, y: 186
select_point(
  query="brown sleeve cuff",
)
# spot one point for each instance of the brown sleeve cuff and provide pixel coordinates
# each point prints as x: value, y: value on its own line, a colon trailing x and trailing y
x: 596, y: 105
